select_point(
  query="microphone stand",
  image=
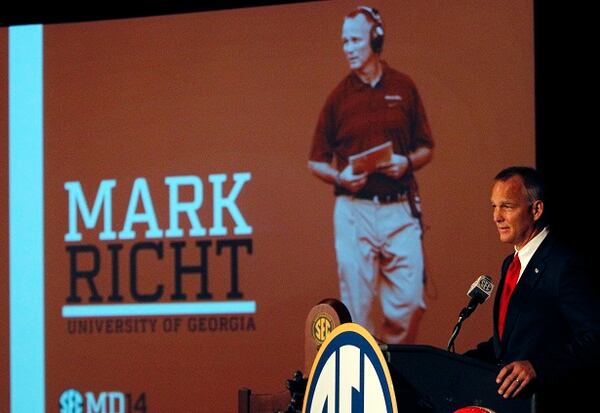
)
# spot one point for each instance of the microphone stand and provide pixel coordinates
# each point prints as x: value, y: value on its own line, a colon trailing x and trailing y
x: 464, y: 313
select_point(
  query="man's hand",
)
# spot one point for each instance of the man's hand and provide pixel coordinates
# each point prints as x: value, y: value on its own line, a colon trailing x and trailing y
x: 514, y: 377
x: 396, y: 168
x: 351, y: 182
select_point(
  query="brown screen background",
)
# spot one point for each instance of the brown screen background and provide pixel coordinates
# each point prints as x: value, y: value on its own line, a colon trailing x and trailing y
x: 240, y: 91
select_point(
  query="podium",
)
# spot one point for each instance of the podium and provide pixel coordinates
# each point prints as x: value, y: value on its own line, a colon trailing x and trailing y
x: 428, y: 379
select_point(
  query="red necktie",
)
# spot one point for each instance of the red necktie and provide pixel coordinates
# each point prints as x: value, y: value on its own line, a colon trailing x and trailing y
x: 512, y: 275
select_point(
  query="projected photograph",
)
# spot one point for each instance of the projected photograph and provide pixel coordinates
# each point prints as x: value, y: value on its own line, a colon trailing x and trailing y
x: 180, y: 191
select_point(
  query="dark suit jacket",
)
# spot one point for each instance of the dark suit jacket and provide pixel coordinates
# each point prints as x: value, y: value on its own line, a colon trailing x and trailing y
x: 553, y: 319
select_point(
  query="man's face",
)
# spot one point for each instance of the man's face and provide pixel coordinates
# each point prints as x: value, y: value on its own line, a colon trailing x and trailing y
x: 356, y: 42
x: 513, y: 213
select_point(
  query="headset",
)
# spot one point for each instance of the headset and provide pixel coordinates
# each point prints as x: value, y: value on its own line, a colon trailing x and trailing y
x: 377, y: 28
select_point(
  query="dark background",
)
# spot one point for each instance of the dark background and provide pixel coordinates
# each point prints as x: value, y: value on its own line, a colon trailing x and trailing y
x: 563, y: 53
x: 565, y: 136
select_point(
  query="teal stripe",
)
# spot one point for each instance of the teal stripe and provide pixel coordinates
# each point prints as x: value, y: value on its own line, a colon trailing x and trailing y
x: 26, y: 218
x: 124, y: 310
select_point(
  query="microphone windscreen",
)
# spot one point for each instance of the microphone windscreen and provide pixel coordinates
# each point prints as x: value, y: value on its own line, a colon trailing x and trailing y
x: 481, y: 288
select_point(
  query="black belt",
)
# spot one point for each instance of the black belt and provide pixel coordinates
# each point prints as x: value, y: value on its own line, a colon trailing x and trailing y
x: 384, y: 198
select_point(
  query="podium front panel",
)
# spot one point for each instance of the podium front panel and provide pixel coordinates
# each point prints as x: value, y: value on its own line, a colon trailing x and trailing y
x: 428, y: 379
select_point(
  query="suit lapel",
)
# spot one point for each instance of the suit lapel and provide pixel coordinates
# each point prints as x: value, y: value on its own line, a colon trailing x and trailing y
x: 520, y: 297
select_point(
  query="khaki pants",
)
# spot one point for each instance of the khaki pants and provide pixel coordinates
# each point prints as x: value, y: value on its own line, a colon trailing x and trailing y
x: 380, y: 258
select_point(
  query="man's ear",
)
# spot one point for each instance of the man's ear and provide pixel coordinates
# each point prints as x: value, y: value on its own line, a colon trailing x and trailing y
x: 537, y: 208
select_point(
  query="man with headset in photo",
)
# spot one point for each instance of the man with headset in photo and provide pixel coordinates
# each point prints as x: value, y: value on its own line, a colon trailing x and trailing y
x: 377, y: 215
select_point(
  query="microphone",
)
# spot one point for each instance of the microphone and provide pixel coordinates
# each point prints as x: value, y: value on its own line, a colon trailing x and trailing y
x: 479, y: 291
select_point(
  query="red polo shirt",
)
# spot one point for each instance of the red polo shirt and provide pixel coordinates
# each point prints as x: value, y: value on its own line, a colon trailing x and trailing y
x: 357, y: 116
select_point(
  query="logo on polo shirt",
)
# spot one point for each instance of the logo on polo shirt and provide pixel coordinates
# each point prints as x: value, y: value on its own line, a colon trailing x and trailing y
x: 349, y: 374
x: 392, y: 100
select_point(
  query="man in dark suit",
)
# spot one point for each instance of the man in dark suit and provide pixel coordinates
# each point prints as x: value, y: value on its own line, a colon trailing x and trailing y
x: 547, y: 308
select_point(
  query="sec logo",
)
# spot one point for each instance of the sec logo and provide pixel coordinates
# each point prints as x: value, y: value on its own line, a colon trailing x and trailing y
x: 71, y: 401
x: 349, y: 375
x: 322, y: 326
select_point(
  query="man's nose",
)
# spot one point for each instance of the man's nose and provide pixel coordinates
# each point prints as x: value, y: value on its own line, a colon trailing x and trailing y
x: 497, y: 216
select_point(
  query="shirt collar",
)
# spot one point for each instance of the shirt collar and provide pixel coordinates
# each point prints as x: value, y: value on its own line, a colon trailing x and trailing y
x: 530, y: 248
x: 359, y: 84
